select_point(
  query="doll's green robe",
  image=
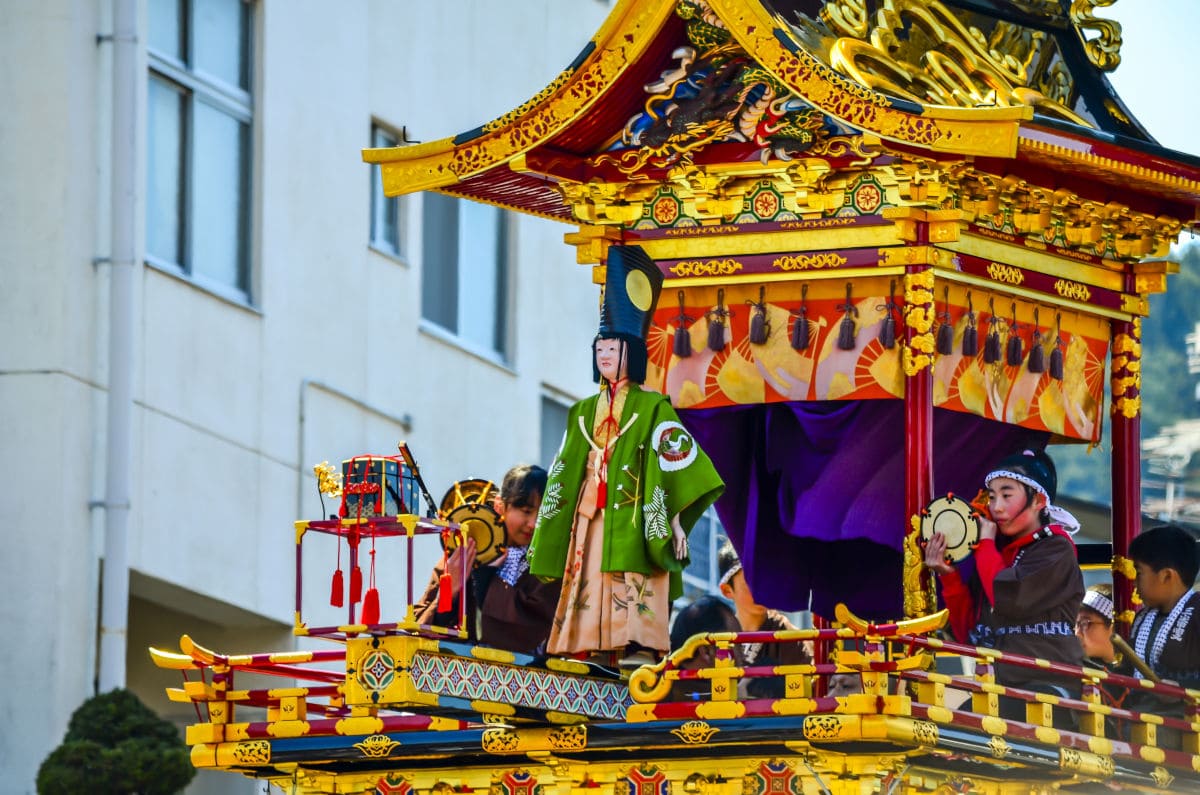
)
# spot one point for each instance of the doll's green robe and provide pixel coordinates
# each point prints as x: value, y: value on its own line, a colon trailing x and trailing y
x: 655, y: 471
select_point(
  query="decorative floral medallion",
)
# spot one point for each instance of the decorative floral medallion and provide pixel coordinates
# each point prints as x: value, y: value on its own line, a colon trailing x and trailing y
x: 376, y: 670
x: 643, y: 780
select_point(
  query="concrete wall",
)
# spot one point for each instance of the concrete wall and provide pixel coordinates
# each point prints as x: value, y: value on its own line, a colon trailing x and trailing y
x: 222, y: 453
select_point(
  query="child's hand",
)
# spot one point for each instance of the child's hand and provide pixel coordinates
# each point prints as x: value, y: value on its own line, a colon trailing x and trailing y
x: 935, y: 555
x: 987, y: 529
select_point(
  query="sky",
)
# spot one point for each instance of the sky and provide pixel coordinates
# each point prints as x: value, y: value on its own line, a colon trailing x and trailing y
x: 1156, y: 78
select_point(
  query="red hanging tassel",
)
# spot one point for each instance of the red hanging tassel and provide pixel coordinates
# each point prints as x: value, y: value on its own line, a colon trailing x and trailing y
x: 337, y: 590
x: 370, y: 608
x: 445, y: 597
x: 355, y: 585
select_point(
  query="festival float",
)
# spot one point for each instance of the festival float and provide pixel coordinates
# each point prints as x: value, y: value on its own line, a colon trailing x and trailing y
x: 897, y: 237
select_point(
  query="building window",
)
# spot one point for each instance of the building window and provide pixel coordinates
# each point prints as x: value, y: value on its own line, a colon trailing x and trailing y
x: 199, y: 118
x: 464, y: 279
x: 554, y: 426
x: 701, y: 575
x: 385, y: 211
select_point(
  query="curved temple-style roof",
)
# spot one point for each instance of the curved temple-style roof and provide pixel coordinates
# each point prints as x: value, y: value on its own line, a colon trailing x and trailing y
x: 988, y: 79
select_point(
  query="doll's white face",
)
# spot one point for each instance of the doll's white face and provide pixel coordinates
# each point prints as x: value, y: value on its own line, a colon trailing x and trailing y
x: 611, y: 355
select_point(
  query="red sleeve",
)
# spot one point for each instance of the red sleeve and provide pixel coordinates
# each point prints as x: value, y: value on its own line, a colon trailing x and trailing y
x: 962, y: 608
x: 988, y: 563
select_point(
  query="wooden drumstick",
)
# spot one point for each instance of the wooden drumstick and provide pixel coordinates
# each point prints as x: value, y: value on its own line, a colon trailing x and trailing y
x: 1120, y: 645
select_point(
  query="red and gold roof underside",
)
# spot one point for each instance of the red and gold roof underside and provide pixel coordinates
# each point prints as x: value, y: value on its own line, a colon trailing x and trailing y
x: 519, y: 160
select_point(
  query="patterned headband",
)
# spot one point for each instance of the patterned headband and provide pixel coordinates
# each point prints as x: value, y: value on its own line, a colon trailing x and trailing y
x: 727, y: 576
x: 1060, y: 515
x: 1100, y: 603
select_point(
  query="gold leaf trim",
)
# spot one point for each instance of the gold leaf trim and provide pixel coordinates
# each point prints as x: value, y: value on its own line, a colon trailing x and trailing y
x: 711, y: 267
x: 1005, y: 273
x: 1073, y: 290
x: 802, y: 262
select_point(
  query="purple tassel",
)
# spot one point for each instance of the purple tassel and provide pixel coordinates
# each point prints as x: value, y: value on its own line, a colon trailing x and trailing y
x: 760, y: 325
x: 1015, y: 354
x: 683, y: 343
x: 970, y: 343
x: 991, y: 346
x: 1056, y: 362
x: 1037, y: 356
x: 945, y: 333
x: 1056, y: 355
x: 716, y: 323
x: 887, y: 332
x: 800, y: 331
x: 945, y: 338
x: 845, y: 340
x: 800, y: 326
x: 716, y: 335
x: 682, y: 346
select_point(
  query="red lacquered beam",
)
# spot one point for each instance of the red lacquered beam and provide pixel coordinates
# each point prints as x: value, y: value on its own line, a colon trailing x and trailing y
x: 327, y: 727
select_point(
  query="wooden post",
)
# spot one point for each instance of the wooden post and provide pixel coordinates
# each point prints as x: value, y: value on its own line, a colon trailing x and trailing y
x: 1127, y: 460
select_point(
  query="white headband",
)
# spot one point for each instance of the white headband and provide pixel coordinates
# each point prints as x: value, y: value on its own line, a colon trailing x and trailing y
x: 1099, y: 602
x: 727, y: 576
x: 1060, y: 515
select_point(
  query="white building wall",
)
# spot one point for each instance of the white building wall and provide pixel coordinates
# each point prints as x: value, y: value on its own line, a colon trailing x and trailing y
x: 222, y: 456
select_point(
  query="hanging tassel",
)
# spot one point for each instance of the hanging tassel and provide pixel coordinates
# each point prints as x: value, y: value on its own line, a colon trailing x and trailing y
x: 945, y: 333
x: 887, y: 330
x: 760, y: 324
x: 800, y: 326
x: 683, y: 338
x: 355, y: 585
x: 337, y: 590
x: 1037, y: 356
x: 845, y: 340
x: 970, y: 342
x: 1056, y: 355
x: 1014, y: 352
x: 716, y: 323
x: 370, y: 608
x: 991, y: 346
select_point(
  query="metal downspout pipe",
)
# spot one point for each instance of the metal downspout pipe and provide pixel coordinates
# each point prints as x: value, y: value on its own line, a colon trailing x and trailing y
x: 114, y: 606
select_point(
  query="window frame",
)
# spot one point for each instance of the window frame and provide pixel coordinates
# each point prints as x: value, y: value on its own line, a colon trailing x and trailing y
x: 198, y: 86
x: 503, y: 355
x: 384, y: 136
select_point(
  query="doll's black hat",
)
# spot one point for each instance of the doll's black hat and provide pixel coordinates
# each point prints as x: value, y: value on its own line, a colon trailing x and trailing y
x: 631, y: 292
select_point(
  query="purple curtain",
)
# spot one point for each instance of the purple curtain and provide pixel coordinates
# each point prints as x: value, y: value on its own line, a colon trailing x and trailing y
x: 814, y: 493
